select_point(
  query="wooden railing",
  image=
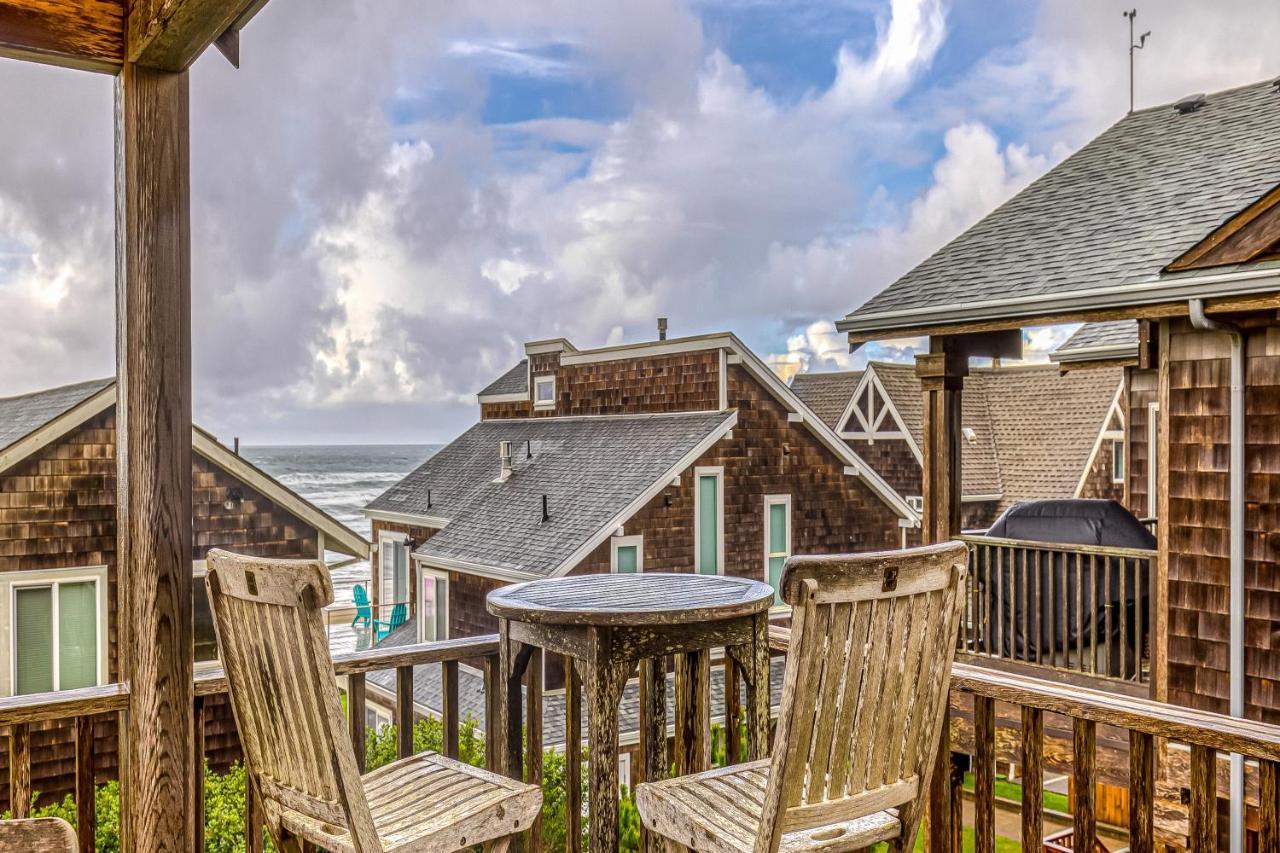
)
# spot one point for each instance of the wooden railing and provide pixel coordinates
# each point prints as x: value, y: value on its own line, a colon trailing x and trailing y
x: 1079, y: 608
x: 86, y: 706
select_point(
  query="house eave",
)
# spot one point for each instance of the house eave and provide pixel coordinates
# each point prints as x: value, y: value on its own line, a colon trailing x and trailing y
x: 1054, y: 307
x: 466, y: 567
x: 409, y: 518
x: 1101, y: 352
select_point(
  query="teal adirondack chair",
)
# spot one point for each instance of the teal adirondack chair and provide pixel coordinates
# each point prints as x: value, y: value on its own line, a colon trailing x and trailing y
x: 364, y: 613
x: 399, y: 615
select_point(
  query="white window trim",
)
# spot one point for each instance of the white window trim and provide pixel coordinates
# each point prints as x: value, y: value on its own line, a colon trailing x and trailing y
x: 391, y: 536
x: 441, y: 601
x: 617, y: 542
x: 1118, y: 471
x: 770, y: 501
x: 699, y: 472
x: 1153, y: 459
x: 50, y: 577
x: 545, y: 379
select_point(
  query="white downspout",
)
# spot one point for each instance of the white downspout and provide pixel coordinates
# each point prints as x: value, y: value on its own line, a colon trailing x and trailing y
x: 1236, y: 599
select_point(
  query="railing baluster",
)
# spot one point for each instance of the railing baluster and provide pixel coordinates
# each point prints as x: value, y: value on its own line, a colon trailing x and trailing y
x: 404, y: 711
x: 355, y: 716
x: 1094, y: 599
x: 1039, y: 606
x: 20, y: 770
x: 197, y: 771
x: 1268, y: 805
x: 449, y: 692
x: 86, y: 792
x: 1023, y: 560
x: 533, y: 738
x: 1204, y: 799
x: 1142, y: 786
x: 1000, y: 626
x: 573, y: 756
x: 940, y: 790
x: 1060, y: 559
x: 1141, y: 615
x: 494, y: 737
x: 1124, y: 618
x: 1085, y: 782
x: 984, y: 777
x: 732, y: 712
x: 1032, y: 778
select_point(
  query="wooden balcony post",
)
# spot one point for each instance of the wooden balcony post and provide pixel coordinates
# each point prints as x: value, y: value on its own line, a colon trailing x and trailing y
x: 153, y: 422
x: 941, y: 373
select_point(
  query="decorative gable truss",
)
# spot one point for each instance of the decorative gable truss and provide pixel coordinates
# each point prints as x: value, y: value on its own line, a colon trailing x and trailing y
x: 1112, y: 430
x: 871, y: 415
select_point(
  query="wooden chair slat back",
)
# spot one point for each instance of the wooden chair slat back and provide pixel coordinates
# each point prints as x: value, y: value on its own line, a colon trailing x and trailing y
x: 39, y: 835
x: 269, y: 619
x: 872, y: 641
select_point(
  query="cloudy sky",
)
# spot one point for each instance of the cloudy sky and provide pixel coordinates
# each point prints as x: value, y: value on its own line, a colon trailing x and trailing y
x: 390, y: 197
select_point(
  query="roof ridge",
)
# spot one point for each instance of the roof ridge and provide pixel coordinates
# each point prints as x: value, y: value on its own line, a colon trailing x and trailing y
x: 104, y: 381
x: 1269, y: 81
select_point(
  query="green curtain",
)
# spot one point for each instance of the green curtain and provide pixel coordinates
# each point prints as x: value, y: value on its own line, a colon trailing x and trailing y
x: 33, y: 639
x: 777, y: 545
x: 77, y: 635
x: 708, y: 525
x: 628, y: 559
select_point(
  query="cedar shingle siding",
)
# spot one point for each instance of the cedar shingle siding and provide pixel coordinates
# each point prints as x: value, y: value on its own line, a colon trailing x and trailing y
x: 58, y: 510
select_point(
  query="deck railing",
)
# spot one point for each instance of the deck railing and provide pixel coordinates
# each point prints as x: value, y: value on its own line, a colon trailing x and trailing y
x: 86, y: 706
x: 1080, y: 608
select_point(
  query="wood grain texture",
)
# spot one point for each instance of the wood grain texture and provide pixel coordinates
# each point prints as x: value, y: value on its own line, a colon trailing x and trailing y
x: 449, y: 711
x: 86, y: 801
x: 1268, y: 806
x: 1142, y: 785
x: 356, y: 704
x: 984, y: 819
x: 942, y: 380
x: 170, y: 34
x: 1032, y: 772
x: 154, y: 456
x: 20, y: 770
x: 271, y: 630
x: 85, y: 34
x: 1084, y: 779
x: 1204, y: 801
x: 863, y: 699
x: 404, y: 711
x: 45, y: 835
x: 573, y: 754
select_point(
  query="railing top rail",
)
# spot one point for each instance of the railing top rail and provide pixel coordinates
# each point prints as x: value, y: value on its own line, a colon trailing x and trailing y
x: 41, y: 707
x: 213, y: 681
x: 1101, y: 550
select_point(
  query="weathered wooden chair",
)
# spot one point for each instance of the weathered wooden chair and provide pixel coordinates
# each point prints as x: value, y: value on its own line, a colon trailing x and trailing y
x: 399, y: 616
x: 271, y: 637
x: 872, y: 640
x: 43, y: 835
x: 364, y: 611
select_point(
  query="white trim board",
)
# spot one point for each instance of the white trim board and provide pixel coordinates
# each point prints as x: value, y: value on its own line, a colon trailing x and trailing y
x: 434, y: 521
x: 1103, y: 433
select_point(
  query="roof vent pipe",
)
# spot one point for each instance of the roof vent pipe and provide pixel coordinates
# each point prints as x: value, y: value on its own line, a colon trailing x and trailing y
x: 504, y: 461
x: 662, y: 328
x: 1190, y: 103
x: 1236, y: 593
x: 546, y: 513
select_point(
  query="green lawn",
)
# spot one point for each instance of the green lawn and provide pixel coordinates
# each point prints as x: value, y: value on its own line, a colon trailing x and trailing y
x: 1013, y: 791
x: 1003, y: 845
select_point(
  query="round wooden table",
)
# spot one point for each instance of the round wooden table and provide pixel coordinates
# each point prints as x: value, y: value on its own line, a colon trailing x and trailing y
x: 607, y: 625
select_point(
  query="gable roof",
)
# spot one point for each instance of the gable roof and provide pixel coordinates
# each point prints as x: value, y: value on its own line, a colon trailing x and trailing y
x: 595, y: 472
x: 514, y: 381
x: 827, y: 394
x: 1099, y: 228
x: 32, y: 421
x: 1102, y: 341
x: 1034, y: 429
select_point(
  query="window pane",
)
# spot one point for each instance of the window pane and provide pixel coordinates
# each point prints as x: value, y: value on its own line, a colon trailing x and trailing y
x: 442, y: 608
x: 708, y: 526
x: 627, y: 559
x: 33, y: 639
x: 206, y: 640
x: 430, y: 627
x: 77, y: 635
x: 777, y: 528
x: 775, y: 577
x: 402, y: 573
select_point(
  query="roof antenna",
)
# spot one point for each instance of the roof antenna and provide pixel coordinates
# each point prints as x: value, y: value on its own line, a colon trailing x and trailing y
x: 1138, y: 45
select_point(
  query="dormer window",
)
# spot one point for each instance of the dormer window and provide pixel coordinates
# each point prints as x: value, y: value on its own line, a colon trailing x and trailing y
x: 544, y: 392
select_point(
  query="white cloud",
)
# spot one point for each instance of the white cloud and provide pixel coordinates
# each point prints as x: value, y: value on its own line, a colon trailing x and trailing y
x: 905, y: 45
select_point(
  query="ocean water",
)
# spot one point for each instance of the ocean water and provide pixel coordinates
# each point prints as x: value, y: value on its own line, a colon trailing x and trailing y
x: 341, y: 479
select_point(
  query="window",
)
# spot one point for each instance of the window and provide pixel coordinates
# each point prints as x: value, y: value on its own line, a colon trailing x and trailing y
x: 1117, y: 460
x: 777, y: 532
x: 626, y: 554
x: 544, y: 392
x: 433, y: 614
x: 57, y: 640
x: 708, y: 513
x: 393, y: 560
x: 916, y: 502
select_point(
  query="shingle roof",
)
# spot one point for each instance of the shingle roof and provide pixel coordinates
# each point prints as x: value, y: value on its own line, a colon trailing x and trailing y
x: 827, y: 394
x: 590, y: 469
x: 1115, y: 212
x: 20, y: 416
x: 514, y: 381
x: 1093, y: 337
x: 1034, y: 428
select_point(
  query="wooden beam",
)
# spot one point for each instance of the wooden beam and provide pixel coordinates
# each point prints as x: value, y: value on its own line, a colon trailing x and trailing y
x: 85, y: 34
x: 941, y: 373
x: 170, y: 34
x: 153, y: 434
